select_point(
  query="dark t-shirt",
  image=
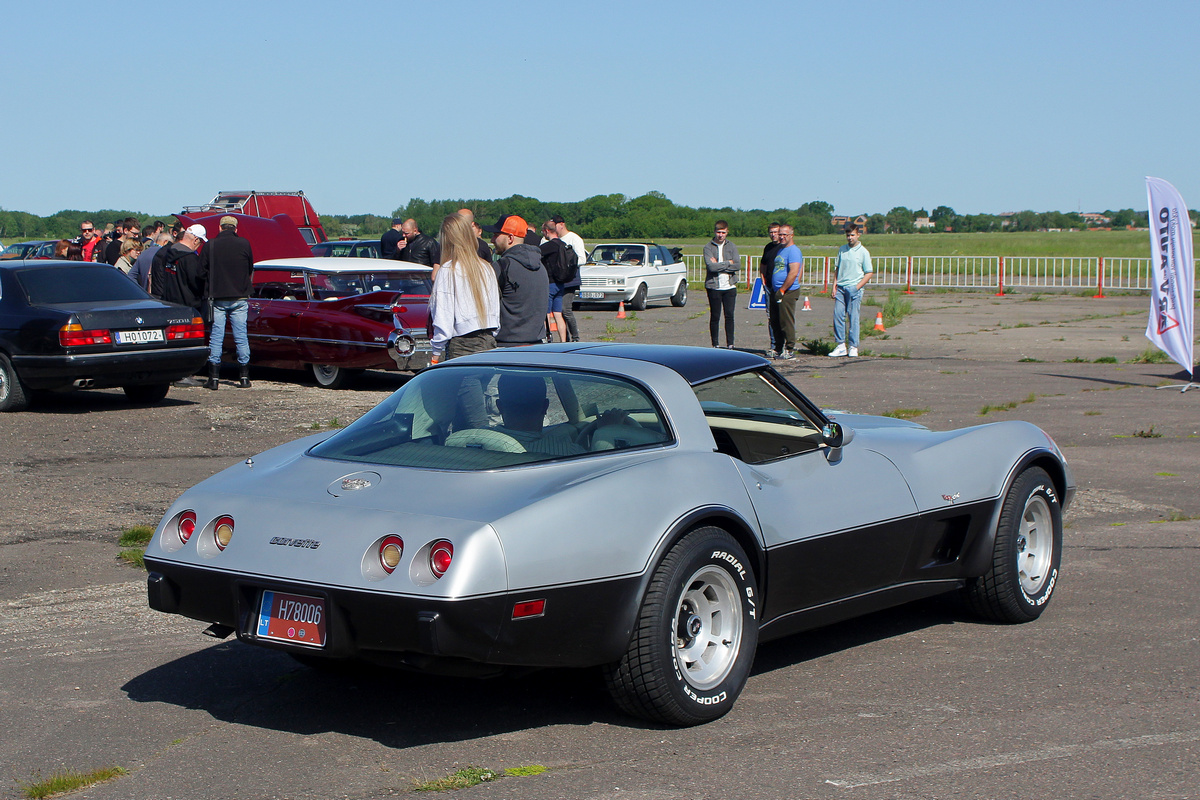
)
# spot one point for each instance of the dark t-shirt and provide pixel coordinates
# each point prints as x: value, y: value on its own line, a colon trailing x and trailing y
x: 387, y: 242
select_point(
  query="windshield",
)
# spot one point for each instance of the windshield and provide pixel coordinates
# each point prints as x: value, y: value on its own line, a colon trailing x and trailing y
x: 480, y: 418
x: 85, y: 283
x: 330, y: 285
x: 618, y: 254
x: 753, y: 421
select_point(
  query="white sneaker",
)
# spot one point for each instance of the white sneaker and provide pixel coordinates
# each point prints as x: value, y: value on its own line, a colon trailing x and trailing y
x: 853, y: 352
x: 840, y: 350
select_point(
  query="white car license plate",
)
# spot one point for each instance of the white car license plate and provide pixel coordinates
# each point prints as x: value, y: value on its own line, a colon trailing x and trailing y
x: 591, y: 295
x: 139, y: 337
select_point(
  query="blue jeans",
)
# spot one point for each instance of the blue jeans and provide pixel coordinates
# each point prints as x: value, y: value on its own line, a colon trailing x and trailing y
x: 236, y: 311
x: 846, y: 300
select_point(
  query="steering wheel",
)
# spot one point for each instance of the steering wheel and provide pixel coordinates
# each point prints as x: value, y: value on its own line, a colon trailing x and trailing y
x: 485, y: 439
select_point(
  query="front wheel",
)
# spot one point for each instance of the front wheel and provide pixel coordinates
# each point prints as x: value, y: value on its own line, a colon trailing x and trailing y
x: 695, y: 636
x: 679, y: 299
x: 1026, y: 554
x: 638, y: 301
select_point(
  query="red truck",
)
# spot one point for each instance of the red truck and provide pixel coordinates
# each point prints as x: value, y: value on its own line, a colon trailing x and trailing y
x: 268, y: 205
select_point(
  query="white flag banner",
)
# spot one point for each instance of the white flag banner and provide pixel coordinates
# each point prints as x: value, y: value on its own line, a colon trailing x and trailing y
x: 1174, y: 273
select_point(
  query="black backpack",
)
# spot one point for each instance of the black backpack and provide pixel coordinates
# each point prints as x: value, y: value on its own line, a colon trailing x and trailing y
x: 561, y: 266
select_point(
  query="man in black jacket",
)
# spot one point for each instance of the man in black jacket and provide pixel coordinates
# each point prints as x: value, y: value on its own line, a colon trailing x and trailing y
x: 421, y: 249
x: 175, y: 274
x: 227, y: 263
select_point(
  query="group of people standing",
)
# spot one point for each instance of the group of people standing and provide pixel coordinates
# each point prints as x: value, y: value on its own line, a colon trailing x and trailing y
x: 519, y: 297
x: 181, y: 265
x: 781, y: 268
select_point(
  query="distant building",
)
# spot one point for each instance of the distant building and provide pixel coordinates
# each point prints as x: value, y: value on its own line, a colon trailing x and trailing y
x: 1096, y: 219
x: 922, y: 222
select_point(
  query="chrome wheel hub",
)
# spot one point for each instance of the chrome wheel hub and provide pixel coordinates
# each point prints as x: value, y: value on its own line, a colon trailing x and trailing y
x: 708, y: 627
x: 1035, y: 545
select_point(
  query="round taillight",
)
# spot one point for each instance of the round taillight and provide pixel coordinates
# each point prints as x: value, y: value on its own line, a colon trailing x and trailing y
x: 223, y: 532
x: 185, y: 526
x: 440, y: 556
x: 390, y: 551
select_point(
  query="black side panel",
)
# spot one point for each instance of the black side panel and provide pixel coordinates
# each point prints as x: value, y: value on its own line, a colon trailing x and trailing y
x: 822, y: 569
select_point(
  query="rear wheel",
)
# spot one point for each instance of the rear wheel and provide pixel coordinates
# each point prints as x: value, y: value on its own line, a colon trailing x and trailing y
x: 13, y: 394
x: 1025, y: 555
x: 329, y: 376
x: 695, y: 636
x: 148, y: 394
x: 638, y: 303
x: 679, y: 299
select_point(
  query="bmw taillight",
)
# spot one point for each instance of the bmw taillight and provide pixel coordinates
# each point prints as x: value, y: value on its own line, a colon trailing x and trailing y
x: 190, y: 330
x: 440, y: 556
x: 223, y: 531
x: 391, y: 548
x: 185, y: 525
x: 73, y: 335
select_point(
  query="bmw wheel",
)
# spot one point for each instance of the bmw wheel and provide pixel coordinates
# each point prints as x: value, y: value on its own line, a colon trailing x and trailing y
x: 1026, y: 554
x: 695, y: 636
x: 638, y: 301
x: 13, y: 395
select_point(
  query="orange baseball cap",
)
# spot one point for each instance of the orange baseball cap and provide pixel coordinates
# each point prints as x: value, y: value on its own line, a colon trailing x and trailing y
x: 510, y: 224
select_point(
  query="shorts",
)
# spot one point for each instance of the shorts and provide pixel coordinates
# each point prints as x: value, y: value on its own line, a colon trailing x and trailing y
x: 557, y: 291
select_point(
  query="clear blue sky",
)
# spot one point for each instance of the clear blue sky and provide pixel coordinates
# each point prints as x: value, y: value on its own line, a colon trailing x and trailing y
x: 984, y: 107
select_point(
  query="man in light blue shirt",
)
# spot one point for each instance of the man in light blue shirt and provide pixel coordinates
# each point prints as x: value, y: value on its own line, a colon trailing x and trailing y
x: 854, y: 271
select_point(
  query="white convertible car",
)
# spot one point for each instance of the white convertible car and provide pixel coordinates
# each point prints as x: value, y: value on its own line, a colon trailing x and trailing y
x: 634, y: 274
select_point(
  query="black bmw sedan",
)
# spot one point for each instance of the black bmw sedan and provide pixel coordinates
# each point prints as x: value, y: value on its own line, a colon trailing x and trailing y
x: 77, y: 325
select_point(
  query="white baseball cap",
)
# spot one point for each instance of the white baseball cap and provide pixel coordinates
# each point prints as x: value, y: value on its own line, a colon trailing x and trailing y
x: 197, y: 231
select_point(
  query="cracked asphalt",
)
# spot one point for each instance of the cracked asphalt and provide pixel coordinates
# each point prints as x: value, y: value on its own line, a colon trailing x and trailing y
x: 1098, y: 698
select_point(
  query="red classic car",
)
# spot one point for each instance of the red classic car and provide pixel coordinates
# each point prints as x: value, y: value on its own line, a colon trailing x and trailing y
x: 337, y: 316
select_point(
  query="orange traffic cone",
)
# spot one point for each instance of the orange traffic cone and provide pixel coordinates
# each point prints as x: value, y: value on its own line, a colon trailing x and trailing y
x: 879, y: 321
x: 807, y: 305
x: 621, y: 310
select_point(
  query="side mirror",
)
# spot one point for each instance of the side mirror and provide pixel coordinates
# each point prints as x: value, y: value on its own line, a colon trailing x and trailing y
x: 658, y: 262
x: 835, y: 436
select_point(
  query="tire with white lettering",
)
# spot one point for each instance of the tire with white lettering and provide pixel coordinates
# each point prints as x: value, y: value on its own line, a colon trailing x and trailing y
x: 1026, y: 554
x: 695, y: 636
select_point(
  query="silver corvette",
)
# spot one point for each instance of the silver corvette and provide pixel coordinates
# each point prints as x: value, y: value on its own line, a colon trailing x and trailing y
x: 652, y: 510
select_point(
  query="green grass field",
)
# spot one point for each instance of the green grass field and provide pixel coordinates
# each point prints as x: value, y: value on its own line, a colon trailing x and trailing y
x: 1110, y: 244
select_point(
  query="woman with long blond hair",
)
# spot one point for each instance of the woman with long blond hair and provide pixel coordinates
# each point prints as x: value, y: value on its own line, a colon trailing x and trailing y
x: 465, y: 304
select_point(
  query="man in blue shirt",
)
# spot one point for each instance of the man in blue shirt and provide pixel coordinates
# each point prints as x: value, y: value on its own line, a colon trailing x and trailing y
x: 785, y: 289
x: 854, y: 271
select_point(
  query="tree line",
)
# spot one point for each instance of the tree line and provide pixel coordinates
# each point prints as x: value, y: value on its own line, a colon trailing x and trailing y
x: 617, y: 216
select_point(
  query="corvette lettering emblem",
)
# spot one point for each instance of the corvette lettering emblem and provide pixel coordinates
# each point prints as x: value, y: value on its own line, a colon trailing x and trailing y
x: 353, y: 484
x: 950, y: 498
x: 307, y: 544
